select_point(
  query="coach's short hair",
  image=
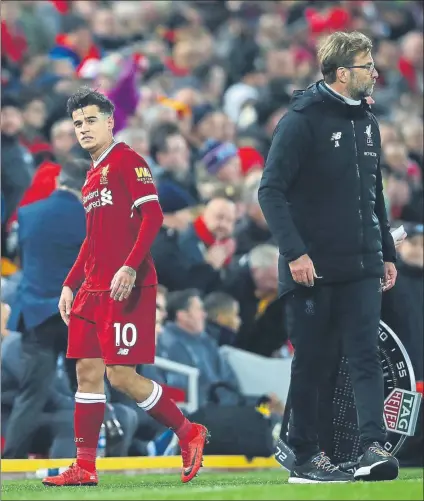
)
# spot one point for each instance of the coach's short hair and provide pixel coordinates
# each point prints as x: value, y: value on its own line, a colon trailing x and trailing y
x: 180, y: 300
x: 73, y: 173
x: 89, y: 97
x: 340, y: 49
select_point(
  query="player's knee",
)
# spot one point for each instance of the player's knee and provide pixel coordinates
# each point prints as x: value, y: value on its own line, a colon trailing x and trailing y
x: 90, y: 374
x: 120, y: 376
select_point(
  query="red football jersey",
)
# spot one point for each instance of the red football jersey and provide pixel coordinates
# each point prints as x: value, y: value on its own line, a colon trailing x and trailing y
x: 117, y: 186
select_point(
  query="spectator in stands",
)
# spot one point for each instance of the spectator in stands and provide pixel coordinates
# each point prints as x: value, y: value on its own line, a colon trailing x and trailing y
x: 390, y: 83
x: 51, y: 421
x: 5, y: 314
x: 411, y: 60
x: 45, y: 179
x: 17, y: 168
x: 63, y: 139
x: 412, y: 132
x: 137, y: 139
x: 253, y: 281
x: 221, y: 161
x: 223, y: 320
x: 175, y: 272
x: 212, y: 229
x: 201, y: 124
x: 176, y: 183
x: 34, y: 115
x: 252, y: 229
x: 403, y: 305
x: 161, y: 310
x: 75, y: 44
x: 51, y: 232
x: 185, y: 340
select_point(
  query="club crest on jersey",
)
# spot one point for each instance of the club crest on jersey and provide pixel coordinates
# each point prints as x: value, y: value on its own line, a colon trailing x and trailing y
x: 103, y: 174
x: 368, y: 133
x: 143, y: 174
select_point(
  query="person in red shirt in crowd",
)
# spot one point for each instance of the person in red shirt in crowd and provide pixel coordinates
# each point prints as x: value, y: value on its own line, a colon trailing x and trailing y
x: 112, y: 320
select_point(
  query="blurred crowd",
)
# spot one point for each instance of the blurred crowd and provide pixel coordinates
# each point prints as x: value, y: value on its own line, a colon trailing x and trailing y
x: 198, y: 88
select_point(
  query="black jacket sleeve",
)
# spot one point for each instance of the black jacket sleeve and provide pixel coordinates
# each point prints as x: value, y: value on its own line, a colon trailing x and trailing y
x: 287, y: 154
x: 389, y: 250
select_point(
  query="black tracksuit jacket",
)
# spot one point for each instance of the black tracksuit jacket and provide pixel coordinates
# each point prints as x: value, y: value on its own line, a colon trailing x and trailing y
x: 321, y: 190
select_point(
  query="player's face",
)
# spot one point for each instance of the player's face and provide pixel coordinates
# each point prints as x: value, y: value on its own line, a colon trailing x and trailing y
x: 93, y: 128
x: 361, y: 81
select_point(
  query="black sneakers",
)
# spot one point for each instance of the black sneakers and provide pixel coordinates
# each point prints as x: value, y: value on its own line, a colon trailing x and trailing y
x: 318, y: 469
x: 377, y: 464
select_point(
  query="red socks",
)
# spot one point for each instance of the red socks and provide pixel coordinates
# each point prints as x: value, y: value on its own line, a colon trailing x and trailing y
x: 88, y: 418
x: 166, y: 412
x: 89, y: 414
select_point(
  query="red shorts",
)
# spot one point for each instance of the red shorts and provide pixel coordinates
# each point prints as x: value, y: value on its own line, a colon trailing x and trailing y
x: 119, y: 332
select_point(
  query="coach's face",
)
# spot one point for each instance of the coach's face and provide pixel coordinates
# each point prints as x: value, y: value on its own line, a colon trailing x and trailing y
x: 361, y: 79
x: 92, y: 127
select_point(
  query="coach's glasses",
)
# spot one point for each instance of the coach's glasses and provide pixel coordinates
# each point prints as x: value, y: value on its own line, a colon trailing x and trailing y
x: 370, y: 67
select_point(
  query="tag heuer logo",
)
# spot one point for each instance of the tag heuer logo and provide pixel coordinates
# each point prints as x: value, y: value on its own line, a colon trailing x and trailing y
x: 401, y: 409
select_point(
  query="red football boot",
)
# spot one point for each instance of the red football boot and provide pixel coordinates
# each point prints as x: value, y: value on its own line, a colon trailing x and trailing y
x: 74, y: 475
x: 192, y: 452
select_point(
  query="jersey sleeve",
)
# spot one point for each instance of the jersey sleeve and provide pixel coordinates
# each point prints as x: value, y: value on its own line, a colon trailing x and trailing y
x: 76, y: 275
x: 139, y: 182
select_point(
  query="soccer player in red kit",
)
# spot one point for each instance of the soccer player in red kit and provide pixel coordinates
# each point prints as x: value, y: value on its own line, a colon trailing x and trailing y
x: 112, y: 319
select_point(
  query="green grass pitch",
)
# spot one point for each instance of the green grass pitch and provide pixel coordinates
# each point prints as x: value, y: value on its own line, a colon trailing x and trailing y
x: 212, y: 485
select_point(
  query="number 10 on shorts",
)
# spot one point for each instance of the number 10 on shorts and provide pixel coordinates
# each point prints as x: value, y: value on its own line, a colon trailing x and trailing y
x: 125, y: 335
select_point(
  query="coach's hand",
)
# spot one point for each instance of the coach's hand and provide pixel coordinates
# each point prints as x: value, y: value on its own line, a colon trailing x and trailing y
x: 122, y: 283
x: 65, y: 303
x: 390, y: 274
x: 303, y: 271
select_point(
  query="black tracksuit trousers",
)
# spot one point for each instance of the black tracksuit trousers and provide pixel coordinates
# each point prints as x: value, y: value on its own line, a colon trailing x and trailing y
x: 318, y: 318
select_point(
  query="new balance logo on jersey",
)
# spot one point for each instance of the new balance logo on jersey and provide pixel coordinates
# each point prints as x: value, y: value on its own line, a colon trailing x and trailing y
x: 123, y: 351
x: 106, y: 197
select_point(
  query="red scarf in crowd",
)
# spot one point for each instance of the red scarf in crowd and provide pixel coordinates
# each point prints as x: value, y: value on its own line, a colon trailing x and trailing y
x: 207, y: 237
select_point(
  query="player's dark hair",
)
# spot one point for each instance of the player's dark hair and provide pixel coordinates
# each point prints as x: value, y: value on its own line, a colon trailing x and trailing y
x: 159, y: 135
x: 218, y: 302
x: 180, y: 300
x: 73, y: 173
x: 89, y: 97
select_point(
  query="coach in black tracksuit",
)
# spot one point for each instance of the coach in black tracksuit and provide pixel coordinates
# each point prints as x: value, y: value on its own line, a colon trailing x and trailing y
x: 322, y: 196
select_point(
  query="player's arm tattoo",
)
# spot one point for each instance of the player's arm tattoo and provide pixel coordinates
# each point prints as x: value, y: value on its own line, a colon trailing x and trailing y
x: 129, y: 270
